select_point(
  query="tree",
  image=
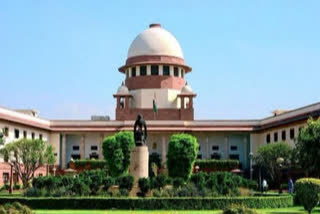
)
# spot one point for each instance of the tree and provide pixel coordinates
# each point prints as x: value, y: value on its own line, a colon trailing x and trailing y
x: 117, y: 152
x: 2, y: 140
x: 308, y: 192
x: 28, y: 156
x: 308, y: 147
x: 268, y: 155
x: 182, y: 153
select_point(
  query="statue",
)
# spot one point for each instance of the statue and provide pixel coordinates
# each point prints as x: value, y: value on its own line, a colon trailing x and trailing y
x: 140, y: 131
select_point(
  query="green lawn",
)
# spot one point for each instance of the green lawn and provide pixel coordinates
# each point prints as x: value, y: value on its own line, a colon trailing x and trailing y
x: 291, y: 210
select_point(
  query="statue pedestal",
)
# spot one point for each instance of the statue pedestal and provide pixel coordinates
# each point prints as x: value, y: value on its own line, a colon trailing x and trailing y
x: 139, y: 164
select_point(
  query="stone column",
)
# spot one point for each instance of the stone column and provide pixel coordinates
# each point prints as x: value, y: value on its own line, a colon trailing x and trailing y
x: 226, y: 148
x: 63, y: 152
x: 163, y: 150
x: 139, y: 162
x: 100, y: 146
x: 82, y: 147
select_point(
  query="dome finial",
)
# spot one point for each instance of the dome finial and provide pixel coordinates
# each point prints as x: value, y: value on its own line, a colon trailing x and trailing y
x: 154, y: 25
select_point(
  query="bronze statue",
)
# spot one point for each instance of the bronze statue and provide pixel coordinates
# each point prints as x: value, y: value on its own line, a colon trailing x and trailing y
x: 140, y: 131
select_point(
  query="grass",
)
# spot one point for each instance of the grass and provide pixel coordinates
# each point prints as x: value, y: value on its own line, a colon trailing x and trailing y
x: 291, y: 210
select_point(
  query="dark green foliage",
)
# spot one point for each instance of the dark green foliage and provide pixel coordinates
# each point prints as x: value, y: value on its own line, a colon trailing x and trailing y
x: 151, y: 203
x: 178, y: 182
x: 308, y: 147
x: 159, y: 181
x: 224, y: 183
x: 182, y: 153
x: 199, y: 179
x: 107, y: 181
x: 125, y: 182
x: 307, y: 192
x: 144, y: 185
x: 116, y: 151
x: 267, y: 158
x: 218, y: 165
x: 238, y: 209
x: 154, y: 158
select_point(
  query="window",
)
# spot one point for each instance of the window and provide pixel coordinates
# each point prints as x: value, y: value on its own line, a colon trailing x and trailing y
x: 291, y: 133
x: 154, y: 70
x: 143, y: 70
x: 182, y: 73
x: 75, y: 156
x: 166, y: 70
x: 199, y: 156
x: 32, y: 135
x: 215, y: 156
x: 133, y: 71
x: 199, y: 149
x: 233, y: 148
x: 275, y: 137
x: 154, y: 146
x: 75, y: 148
x: 94, y: 148
x: 234, y: 157
x: 94, y: 156
x: 16, y: 133
x: 24, y: 134
x: 268, y: 138
x: 127, y: 73
x: 176, y: 72
x: 6, y: 131
x: 215, y: 148
x: 15, y: 178
x: 40, y: 136
x: 40, y: 175
x: 5, y: 177
x: 283, y: 135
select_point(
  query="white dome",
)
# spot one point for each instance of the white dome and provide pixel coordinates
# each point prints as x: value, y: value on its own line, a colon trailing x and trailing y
x: 186, y: 89
x: 123, y: 89
x: 155, y: 41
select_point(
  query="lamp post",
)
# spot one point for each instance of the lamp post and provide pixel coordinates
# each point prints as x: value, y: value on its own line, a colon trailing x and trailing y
x: 54, y: 170
x: 280, y: 161
x: 10, y: 162
x: 197, y: 168
x: 251, y: 170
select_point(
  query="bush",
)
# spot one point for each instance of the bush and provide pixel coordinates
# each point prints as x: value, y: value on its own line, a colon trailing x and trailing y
x: 238, y: 209
x: 224, y: 183
x: 117, y: 151
x: 182, y: 153
x: 159, y: 181
x: 307, y: 192
x: 144, y: 185
x: 151, y: 203
x: 125, y: 182
x: 177, y: 182
x: 199, y: 179
x: 94, y: 164
x: 15, y: 207
x: 218, y: 165
x: 107, y: 182
x: 16, y: 186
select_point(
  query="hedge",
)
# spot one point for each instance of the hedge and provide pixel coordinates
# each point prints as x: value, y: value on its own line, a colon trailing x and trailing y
x: 94, y: 164
x: 217, y: 164
x: 151, y: 203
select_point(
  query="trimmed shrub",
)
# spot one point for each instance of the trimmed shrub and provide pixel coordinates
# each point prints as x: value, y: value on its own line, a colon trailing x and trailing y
x: 217, y: 165
x: 238, y: 209
x: 182, y: 153
x: 177, y: 182
x: 199, y: 179
x: 307, y: 192
x: 15, y: 207
x: 117, y: 151
x: 107, y: 181
x: 159, y: 181
x: 125, y: 182
x: 151, y: 203
x: 144, y: 185
x: 154, y: 158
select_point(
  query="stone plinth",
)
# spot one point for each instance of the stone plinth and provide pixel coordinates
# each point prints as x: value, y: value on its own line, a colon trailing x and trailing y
x: 139, y: 165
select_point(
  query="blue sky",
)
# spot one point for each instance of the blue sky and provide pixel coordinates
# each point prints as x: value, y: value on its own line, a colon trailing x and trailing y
x: 248, y: 57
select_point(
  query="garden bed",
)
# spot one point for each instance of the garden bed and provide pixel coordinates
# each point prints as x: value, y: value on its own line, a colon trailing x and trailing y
x: 151, y: 203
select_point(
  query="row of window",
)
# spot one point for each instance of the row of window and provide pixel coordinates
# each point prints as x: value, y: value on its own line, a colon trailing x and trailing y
x: 217, y: 156
x: 292, y: 135
x: 33, y: 136
x: 17, y: 133
x: 155, y: 71
x: 216, y: 148
x: 77, y: 148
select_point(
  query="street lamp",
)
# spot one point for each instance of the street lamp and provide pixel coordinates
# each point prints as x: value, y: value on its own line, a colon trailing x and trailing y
x: 54, y: 170
x: 197, y: 168
x: 251, y: 170
x: 280, y: 161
